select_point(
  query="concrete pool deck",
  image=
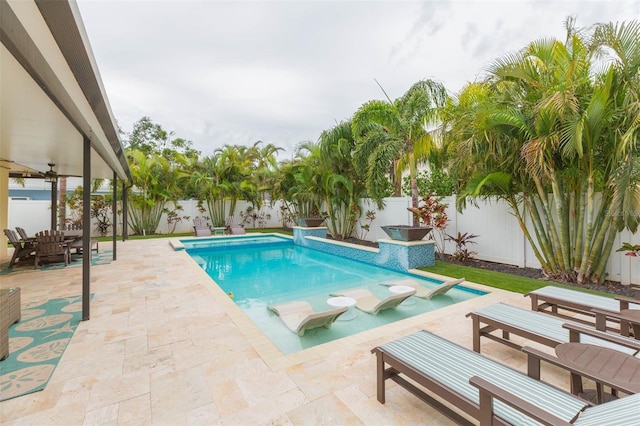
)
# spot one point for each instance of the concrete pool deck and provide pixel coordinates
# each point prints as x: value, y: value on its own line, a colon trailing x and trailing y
x: 166, y: 346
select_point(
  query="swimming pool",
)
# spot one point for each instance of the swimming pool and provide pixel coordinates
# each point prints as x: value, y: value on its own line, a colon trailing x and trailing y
x: 259, y: 271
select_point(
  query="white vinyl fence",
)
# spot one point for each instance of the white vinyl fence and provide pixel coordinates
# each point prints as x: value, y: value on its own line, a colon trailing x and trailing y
x: 500, y: 238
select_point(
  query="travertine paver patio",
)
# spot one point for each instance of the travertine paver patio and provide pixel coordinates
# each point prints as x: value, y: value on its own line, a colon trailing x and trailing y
x: 166, y: 346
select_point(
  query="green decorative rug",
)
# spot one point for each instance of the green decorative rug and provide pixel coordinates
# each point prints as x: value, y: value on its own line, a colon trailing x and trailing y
x: 36, y: 344
x: 103, y: 257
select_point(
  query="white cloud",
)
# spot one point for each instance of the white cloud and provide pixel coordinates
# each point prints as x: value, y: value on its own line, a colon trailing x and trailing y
x: 281, y: 71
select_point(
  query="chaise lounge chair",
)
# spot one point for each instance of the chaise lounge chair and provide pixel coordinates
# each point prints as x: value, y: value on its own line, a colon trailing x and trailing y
x: 424, y: 292
x: 550, y: 299
x: 471, y: 382
x: 234, y: 227
x: 367, y: 302
x: 201, y: 228
x: 22, y: 251
x: 538, y: 327
x: 300, y: 316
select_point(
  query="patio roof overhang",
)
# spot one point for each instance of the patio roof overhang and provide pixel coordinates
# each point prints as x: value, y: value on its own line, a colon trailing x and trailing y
x: 52, y: 96
x: 54, y: 109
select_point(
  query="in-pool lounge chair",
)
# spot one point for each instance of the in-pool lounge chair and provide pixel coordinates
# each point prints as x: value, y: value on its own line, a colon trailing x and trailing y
x: 21, y: 251
x: 424, y: 292
x: 367, y: 302
x: 234, y: 227
x: 299, y: 316
x: 201, y: 228
x: 551, y: 299
x: 486, y: 390
x: 538, y: 327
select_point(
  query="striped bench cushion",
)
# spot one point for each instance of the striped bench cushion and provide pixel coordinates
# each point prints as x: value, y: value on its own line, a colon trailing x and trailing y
x: 543, y: 325
x: 453, y: 366
x: 590, y: 301
x: 620, y: 412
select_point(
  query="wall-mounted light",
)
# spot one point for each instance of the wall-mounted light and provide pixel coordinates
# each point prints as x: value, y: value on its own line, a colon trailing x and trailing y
x: 50, y: 176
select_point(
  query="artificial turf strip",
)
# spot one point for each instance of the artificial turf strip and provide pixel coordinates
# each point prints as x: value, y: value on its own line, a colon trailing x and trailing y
x: 500, y: 280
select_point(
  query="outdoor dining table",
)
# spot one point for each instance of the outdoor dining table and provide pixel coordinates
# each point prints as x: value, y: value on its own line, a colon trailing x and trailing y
x: 76, y: 234
x: 605, y: 366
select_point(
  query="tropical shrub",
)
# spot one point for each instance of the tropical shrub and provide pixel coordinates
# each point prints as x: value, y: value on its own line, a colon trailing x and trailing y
x: 462, y: 253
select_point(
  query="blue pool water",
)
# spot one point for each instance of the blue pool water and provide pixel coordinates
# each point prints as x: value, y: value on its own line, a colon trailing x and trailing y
x: 263, y: 270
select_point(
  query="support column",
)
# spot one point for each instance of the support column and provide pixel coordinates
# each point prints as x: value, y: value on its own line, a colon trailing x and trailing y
x: 62, y: 204
x: 54, y: 204
x: 4, y: 210
x: 86, y: 226
x: 125, y: 212
x: 114, y: 213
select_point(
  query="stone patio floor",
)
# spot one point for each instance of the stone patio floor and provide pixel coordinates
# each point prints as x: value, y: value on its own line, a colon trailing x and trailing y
x: 166, y: 346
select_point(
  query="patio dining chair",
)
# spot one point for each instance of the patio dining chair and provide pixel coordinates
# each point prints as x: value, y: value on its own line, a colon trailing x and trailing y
x: 24, y: 236
x: 51, y: 245
x: 22, y: 251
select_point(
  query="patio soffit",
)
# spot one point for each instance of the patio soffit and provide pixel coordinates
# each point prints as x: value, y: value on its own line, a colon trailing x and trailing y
x: 52, y: 95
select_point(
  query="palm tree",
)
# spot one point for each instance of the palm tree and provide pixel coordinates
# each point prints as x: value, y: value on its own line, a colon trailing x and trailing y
x: 155, y: 183
x: 554, y: 135
x: 222, y: 179
x: 266, y: 168
x: 394, y: 135
x: 341, y: 186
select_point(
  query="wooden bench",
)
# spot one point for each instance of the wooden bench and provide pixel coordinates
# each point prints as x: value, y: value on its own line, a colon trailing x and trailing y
x: 445, y: 369
x: 497, y: 322
x: 553, y: 300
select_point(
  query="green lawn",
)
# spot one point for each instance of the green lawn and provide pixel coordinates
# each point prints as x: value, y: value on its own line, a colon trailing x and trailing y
x: 498, y: 279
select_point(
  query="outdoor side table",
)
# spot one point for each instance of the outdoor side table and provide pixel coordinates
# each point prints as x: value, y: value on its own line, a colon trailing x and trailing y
x: 219, y: 230
x: 603, y: 365
x: 341, y: 301
x: 9, y: 314
x: 399, y: 289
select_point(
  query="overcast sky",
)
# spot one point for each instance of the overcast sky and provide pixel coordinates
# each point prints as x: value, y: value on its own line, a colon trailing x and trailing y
x: 217, y: 72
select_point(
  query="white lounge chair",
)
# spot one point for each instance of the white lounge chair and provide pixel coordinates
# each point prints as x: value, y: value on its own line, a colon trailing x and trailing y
x: 367, y: 302
x: 299, y: 316
x: 234, y: 227
x: 422, y: 291
x: 201, y: 227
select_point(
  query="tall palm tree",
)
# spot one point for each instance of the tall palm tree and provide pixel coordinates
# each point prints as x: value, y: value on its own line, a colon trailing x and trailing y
x: 394, y: 135
x: 341, y: 186
x: 266, y: 167
x: 553, y: 132
x: 222, y: 179
x: 155, y: 183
